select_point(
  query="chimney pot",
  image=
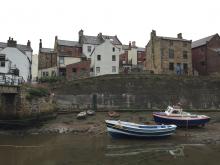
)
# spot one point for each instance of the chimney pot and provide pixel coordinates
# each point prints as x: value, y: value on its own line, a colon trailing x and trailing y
x: 179, y: 36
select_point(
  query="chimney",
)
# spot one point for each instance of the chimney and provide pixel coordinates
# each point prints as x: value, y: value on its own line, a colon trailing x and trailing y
x: 56, y: 38
x: 100, y: 35
x: 153, y: 33
x: 29, y: 43
x: 40, y: 44
x: 179, y: 36
x: 80, y: 33
x: 133, y: 44
x: 129, y: 45
x: 11, y: 42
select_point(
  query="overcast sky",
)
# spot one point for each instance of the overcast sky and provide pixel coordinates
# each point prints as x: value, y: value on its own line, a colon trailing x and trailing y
x: 128, y: 19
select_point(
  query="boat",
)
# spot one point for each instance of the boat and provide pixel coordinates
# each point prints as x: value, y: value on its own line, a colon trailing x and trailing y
x: 175, y: 115
x: 117, y: 128
x: 90, y: 112
x: 81, y: 115
x: 113, y: 114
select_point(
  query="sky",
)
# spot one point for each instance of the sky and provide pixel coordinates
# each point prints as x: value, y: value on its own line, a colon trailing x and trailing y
x: 130, y: 20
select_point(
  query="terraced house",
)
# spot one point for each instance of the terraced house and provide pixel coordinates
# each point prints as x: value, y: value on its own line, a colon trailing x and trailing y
x: 167, y: 55
x: 206, y: 55
x: 89, y: 56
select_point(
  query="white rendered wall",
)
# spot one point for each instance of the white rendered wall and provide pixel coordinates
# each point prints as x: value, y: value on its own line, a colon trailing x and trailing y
x: 34, y: 67
x: 69, y: 60
x: 106, y: 63
x: 19, y: 59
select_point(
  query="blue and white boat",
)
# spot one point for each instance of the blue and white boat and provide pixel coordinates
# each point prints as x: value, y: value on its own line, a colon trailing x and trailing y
x: 117, y: 128
x: 175, y: 115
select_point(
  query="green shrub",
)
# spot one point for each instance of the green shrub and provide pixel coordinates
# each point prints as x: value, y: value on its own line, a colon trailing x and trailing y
x: 50, y: 79
x: 37, y: 92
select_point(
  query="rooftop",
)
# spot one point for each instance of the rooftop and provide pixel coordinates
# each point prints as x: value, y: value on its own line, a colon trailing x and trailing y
x: 202, y: 41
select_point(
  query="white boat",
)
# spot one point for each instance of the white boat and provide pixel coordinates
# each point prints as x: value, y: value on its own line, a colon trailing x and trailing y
x: 81, y: 115
x: 90, y: 112
x: 117, y: 128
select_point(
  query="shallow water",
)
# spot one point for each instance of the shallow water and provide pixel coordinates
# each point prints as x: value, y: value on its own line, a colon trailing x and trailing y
x: 83, y: 150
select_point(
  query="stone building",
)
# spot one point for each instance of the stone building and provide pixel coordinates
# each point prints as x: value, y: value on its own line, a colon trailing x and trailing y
x: 166, y: 55
x: 47, y: 61
x: 206, y: 55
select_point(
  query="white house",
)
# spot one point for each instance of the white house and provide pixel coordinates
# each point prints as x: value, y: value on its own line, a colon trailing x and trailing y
x: 16, y: 59
x: 34, y: 67
x: 105, y: 59
x: 104, y: 52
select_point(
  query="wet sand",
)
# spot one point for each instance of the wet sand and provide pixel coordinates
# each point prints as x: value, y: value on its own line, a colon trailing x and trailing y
x: 95, y: 126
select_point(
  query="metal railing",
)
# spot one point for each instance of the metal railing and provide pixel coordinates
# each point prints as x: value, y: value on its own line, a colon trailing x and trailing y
x: 8, y: 79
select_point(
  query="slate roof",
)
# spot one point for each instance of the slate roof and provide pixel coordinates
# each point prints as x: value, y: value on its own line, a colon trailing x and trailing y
x: 19, y: 46
x: 202, y: 41
x: 125, y: 47
x: 141, y: 49
x: 68, y: 43
x: 91, y: 40
x: 95, y: 40
x: 46, y: 50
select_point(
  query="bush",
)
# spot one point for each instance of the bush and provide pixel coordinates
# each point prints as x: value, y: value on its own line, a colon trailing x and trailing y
x: 37, y: 92
x: 50, y: 79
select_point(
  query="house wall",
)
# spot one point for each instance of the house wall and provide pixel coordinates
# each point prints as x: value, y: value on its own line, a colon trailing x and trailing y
x: 78, y: 70
x: 20, y: 60
x: 69, y: 51
x: 157, y: 55
x: 106, y: 63
x: 47, y: 60
x: 68, y: 60
x: 48, y: 72
x: 205, y: 60
x: 85, y: 50
x: 132, y: 56
x: 34, y: 67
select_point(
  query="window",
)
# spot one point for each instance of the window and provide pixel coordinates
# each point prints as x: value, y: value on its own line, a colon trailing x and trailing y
x: 171, y: 43
x: 184, y: 44
x: 113, y: 49
x: 74, y: 70
x: 2, y: 60
x: 171, y: 53
x: 113, y: 58
x: 185, y: 68
x: 161, y: 53
x: 97, y: 69
x: 89, y: 48
x: 185, y: 56
x: 47, y: 74
x: 202, y: 63
x: 113, y: 69
x: 171, y: 66
x: 61, y: 60
x: 99, y: 57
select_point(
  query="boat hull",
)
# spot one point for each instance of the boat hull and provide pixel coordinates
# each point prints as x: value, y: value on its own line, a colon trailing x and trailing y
x: 125, y: 131
x: 180, y: 121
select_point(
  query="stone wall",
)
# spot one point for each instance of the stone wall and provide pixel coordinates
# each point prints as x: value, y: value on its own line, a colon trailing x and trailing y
x: 139, y: 92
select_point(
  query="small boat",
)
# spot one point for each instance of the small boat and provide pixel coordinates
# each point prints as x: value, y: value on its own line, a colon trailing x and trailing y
x: 175, y: 115
x: 117, y: 128
x: 81, y: 115
x: 113, y: 114
x: 90, y: 112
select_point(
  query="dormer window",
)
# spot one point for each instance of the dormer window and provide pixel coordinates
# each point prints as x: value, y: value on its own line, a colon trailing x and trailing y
x: 89, y: 48
x: 113, y: 49
x: 98, y: 57
x: 2, y: 60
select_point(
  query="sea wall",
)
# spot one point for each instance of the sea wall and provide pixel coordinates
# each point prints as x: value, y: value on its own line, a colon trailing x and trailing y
x: 139, y: 92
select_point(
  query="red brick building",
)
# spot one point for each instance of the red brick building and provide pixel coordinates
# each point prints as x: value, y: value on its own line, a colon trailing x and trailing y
x: 206, y: 55
x: 78, y: 70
